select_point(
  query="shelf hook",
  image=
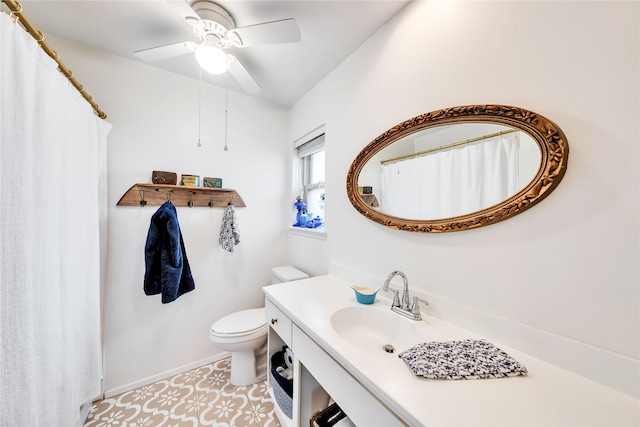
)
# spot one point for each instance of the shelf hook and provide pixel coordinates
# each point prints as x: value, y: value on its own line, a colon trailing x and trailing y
x: 210, y: 200
x: 231, y: 200
x: 190, y: 203
x: 169, y: 193
x: 143, y: 202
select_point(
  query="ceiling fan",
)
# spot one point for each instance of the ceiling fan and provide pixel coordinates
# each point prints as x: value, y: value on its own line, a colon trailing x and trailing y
x: 216, y: 32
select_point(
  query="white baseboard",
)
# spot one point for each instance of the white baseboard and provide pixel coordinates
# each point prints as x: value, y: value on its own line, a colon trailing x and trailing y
x: 610, y: 369
x: 166, y: 374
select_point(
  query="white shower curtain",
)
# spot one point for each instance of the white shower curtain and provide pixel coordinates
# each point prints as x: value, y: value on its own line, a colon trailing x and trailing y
x: 52, y: 214
x: 452, y: 182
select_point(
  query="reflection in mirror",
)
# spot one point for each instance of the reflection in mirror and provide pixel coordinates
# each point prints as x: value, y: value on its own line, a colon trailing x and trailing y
x: 450, y: 170
x: 458, y: 168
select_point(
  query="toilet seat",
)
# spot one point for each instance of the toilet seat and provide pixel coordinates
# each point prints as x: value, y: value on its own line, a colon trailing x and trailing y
x: 242, y: 323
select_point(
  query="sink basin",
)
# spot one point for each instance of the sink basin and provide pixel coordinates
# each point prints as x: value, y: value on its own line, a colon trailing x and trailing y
x: 371, y: 329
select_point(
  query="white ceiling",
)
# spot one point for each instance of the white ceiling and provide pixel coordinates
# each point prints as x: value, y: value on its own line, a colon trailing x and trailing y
x: 330, y: 31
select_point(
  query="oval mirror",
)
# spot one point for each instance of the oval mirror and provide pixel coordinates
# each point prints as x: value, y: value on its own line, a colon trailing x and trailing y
x: 458, y: 168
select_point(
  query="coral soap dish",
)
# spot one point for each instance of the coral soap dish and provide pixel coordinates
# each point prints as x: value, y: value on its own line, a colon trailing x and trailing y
x: 365, y: 295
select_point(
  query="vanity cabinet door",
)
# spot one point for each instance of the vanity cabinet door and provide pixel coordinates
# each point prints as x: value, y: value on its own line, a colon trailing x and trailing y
x: 279, y: 322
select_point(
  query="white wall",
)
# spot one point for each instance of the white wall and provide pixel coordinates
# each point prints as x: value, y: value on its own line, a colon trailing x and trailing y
x: 565, y: 272
x: 154, y: 116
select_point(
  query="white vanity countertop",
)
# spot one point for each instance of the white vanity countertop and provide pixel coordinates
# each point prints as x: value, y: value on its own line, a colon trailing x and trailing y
x: 547, y: 396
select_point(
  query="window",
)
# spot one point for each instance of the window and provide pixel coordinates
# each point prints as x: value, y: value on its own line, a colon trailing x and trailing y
x: 311, y: 157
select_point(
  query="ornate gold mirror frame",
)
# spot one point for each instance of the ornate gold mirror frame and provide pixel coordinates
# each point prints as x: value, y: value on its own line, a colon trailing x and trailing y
x: 550, y: 139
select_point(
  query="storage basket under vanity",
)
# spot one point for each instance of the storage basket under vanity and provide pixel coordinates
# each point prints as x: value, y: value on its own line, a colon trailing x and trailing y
x: 282, y: 387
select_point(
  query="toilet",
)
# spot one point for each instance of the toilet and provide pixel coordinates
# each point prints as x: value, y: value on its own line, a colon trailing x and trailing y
x: 244, y: 334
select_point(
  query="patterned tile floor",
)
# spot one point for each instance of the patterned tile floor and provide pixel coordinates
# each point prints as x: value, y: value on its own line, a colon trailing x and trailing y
x: 200, y: 397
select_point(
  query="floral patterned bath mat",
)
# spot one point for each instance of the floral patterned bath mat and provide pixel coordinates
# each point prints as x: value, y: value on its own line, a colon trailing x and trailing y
x: 466, y: 359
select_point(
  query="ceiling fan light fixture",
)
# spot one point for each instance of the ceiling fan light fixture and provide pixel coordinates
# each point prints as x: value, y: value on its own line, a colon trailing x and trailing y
x: 213, y: 59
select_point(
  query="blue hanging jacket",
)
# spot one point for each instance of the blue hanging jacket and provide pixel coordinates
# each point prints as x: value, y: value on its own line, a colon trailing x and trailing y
x: 167, y: 268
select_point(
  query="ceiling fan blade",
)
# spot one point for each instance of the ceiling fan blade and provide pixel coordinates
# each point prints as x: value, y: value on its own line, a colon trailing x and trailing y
x: 242, y: 76
x: 183, y: 8
x: 165, y: 52
x: 283, y: 31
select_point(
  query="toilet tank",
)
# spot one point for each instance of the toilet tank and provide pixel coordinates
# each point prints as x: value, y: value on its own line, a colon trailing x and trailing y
x: 286, y: 273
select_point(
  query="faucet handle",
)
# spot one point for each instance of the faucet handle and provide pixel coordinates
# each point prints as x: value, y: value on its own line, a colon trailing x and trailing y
x: 415, y: 308
x: 396, y: 298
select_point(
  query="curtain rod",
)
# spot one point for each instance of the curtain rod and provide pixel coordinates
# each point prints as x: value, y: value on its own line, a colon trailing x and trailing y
x: 455, y: 144
x: 16, y: 10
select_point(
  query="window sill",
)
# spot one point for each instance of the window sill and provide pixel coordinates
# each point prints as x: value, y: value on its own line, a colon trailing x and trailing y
x: 315, y: 233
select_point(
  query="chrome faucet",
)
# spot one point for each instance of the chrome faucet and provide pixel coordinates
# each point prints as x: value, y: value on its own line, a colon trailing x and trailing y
x: 412, y: 311
x: 405, y: 292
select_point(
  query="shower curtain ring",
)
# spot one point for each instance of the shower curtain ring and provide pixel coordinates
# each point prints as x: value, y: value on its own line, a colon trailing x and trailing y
x: 13, y: 15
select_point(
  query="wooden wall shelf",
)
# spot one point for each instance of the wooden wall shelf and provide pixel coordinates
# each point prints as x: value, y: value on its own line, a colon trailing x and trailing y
x: 179, y: 195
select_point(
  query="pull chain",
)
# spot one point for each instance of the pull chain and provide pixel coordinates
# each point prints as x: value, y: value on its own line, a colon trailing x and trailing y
x: 199, y: 107
x: 226, y: 107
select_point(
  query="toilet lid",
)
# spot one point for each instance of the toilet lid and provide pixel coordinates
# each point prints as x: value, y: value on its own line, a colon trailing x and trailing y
x: 240, y: 322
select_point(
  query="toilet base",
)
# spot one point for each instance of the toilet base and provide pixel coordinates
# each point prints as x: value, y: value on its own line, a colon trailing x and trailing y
x: 244, y: 370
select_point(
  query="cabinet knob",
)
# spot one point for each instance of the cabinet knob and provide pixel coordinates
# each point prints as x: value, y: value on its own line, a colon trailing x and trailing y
x: 274, y: 321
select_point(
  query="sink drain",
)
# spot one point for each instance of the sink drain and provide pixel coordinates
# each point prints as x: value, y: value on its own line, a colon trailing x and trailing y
x: 389, y: 348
